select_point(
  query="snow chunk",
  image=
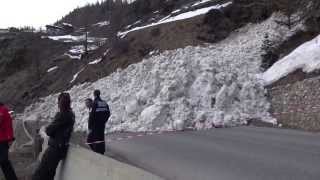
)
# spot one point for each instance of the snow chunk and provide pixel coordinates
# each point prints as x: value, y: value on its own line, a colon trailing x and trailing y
x: 52, y: 69
x: 305, y: 57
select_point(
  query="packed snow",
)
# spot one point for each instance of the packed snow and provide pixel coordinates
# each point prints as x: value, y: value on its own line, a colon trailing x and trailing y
x: 305, y: 57
x: 202, y: 87
x: 52, y: 69
x: 179, y: 17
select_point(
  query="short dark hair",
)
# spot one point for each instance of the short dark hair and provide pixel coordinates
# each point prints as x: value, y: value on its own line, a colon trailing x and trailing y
x: 96, y: 93
x: 89, y: 102
x: 64, y: 102
x: 1, y: 103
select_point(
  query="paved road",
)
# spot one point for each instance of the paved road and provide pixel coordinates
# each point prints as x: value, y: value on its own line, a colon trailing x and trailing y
x: 244, y: 153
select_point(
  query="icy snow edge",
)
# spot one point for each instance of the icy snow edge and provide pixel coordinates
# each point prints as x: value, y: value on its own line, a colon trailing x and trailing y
x: 305, y: 57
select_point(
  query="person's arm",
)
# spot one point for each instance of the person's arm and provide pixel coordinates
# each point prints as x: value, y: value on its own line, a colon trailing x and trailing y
x: 92, y: 115
x: 58, y: 122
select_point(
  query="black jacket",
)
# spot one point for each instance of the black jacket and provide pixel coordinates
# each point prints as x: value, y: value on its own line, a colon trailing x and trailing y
x: 60, y: 129
x: 98, y: 118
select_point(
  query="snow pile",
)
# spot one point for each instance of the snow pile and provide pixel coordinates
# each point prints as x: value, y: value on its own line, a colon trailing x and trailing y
x: 196, y: 86
x: 179, y: 17
x: 305, y: 57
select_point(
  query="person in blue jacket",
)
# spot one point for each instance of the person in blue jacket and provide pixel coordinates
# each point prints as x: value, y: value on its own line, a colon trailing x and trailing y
x: 98, y: 117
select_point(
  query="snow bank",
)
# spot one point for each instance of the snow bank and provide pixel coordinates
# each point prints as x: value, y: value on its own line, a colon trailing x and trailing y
x: 179, y: 17
x: 194, y: 86
x: 305, y: 57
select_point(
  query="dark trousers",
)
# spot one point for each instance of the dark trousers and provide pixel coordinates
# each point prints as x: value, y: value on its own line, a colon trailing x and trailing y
x: 49, y: 163
x: 98, y: 147
x: 5, y: 164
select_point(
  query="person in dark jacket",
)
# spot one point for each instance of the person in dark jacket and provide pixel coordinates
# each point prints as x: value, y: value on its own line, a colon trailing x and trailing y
x: 98, y: 118
x: 6, y: 138
x: 59, y: 132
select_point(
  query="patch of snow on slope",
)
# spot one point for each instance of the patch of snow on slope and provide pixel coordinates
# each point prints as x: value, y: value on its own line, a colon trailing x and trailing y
x: 305, y: 57
x: 73, y: 56
x: 66, y: 38
x: 80, y: 49
x: 194, y: 86
x: 179, y: 17
x: 201, y: 2
x: 52, y: 69
x: 76, y: 75
x: 95, y: 61
x: 101, y: 24
x: 71, y: 38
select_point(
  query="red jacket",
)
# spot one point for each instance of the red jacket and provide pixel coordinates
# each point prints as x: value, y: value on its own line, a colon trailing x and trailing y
x: 6, y: 129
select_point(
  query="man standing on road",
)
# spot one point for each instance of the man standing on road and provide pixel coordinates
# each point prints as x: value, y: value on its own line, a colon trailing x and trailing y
x: 6, y: 138
x: 98, y: 118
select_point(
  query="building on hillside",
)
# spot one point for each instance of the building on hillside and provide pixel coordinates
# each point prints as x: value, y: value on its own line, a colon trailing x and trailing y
x: 63, y: 29
x: 4, y: 30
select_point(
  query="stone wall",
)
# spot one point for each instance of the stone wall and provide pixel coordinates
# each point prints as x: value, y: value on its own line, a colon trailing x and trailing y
x: 297, y: 105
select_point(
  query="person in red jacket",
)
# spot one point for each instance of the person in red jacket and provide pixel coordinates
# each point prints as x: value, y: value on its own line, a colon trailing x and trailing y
x: 6, y: 138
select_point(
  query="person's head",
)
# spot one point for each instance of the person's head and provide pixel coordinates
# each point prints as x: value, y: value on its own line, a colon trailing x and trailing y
x: 89, y: 103
x: 96, y: 93
x: 1, y: 103
x: 64, y: 102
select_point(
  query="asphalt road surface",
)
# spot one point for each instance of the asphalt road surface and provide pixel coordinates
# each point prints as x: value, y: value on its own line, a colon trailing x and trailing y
x: 244, y: 153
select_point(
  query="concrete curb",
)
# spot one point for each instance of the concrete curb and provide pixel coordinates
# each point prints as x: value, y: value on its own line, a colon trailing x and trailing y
x: 82, y: 164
